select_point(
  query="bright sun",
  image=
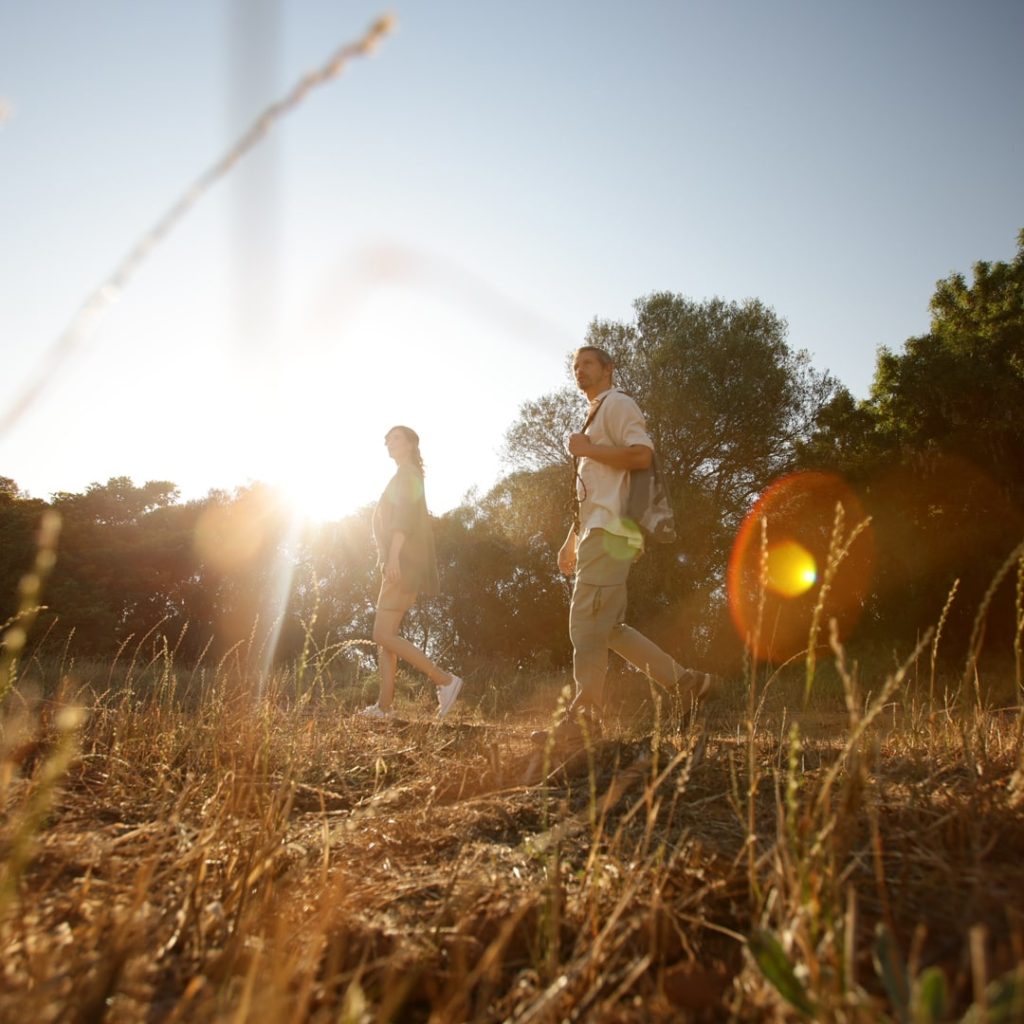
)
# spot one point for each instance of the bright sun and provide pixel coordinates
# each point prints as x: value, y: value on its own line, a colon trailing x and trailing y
x: 317, y: 451
x: 331, y: 403
x: 311, y: 421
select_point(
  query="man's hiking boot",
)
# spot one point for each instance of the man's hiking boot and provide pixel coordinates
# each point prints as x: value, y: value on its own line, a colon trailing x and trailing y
x: 698, y: 686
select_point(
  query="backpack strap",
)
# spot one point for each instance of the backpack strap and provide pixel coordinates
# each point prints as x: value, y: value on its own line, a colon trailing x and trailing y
x: 576, y: 472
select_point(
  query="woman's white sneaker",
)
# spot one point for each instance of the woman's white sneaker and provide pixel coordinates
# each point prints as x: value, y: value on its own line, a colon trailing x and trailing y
x: 446, y: 696
x: 376, y: 711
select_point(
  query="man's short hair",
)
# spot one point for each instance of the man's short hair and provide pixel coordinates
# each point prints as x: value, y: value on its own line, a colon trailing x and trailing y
x: 602, y: 357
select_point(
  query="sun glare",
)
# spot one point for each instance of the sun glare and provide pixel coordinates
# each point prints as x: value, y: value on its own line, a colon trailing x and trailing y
x: 313, y: 456
x: 791, y: 569
x: 330, y: 402
x: 310, y: 420
x: 318, y: 492
x: 778, y: 557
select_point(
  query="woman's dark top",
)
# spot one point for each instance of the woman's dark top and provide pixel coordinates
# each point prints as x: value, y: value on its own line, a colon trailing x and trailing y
x: 403, y: 509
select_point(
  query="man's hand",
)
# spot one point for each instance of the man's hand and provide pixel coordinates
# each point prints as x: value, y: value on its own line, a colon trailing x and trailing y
x: 580, y: 445
x: 567, y: 556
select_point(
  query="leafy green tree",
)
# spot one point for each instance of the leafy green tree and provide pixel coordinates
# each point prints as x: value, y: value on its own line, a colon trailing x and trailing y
x: 845, y: 439
x: 245, y: 549
x: 19, y: 521
x: 502, y: 603
x: 530, y: 506
x: 334, y: 592
x: 937, y: 452
x: 959, y: 389
x: 118, y: 502
x: 537, y: 438
x: 108, y: 584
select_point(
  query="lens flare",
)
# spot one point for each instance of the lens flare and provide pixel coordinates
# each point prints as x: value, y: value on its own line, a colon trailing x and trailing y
x: 618, y: 547
x: 791, y: 569
x: 246, y: 547
x: 781, y: 552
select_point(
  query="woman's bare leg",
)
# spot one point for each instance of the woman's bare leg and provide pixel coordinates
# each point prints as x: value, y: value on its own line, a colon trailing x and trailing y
x: 385, y: 635
x: 387, y: 662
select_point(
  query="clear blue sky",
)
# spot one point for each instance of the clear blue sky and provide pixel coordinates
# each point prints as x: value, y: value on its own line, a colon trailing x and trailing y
x: 425, y: 238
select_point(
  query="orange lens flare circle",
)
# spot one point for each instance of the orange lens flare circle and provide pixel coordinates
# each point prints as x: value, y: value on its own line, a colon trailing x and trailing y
x: 791, y: 569
x: 780, y: 557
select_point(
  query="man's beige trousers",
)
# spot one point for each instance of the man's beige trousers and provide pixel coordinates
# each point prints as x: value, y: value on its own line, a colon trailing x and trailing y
x: 596, y: 625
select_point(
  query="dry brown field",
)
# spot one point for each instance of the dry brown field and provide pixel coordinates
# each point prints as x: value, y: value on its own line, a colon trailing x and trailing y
x: 180, y: 847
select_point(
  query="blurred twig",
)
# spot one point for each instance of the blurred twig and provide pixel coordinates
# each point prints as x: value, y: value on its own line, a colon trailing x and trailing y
x: 88, y: 314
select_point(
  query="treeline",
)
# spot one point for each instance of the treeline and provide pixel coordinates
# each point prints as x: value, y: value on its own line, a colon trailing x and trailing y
x: 934, y: 456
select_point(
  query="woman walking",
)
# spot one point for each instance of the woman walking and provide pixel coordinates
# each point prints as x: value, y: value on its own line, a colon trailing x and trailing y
x: 405, y: 553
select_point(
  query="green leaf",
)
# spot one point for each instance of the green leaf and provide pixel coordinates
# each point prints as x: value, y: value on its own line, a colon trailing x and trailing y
x: 1005, y: 998
x: 930, y: 997
x: 890, y: 968
x: 771, y: 958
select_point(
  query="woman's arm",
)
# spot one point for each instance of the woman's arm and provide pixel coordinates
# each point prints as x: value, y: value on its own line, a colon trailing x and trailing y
x: 392, y: 566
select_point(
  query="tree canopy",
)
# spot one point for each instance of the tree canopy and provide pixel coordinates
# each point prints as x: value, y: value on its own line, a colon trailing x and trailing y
x: 937, y: 449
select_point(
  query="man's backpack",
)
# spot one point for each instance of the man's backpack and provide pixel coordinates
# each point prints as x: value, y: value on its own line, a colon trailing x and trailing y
x: 647, y: 505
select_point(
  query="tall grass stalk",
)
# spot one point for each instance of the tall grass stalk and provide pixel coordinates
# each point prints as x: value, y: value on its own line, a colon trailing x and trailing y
x: 30, y: 588
x: 862, y: 722
x: 27, y: 821
x: 977, y: 629
x: 838, y: 549
x: 753, y: 764
x: 1018, y: 636
x: 938, y: 636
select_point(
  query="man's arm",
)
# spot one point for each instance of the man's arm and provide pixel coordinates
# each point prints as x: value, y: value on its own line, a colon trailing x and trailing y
x: 634, y: 456
x: 567, y: 553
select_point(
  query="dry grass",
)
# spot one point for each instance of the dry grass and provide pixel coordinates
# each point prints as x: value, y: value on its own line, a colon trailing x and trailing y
x: 219, y: 857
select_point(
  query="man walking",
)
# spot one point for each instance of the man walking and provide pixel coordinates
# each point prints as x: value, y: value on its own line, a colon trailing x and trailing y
x: 602, y: 545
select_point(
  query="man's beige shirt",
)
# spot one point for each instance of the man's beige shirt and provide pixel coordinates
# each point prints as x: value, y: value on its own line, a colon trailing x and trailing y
x: 604, y: 490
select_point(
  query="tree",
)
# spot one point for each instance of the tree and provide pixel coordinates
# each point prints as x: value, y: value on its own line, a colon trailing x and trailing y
x: 937, y: 451
x: 502, y: 602
x: 530, y: 506
x: 537, y: 439
x: 335, y: 583
x: 117, y: 502
x: 19, y: 522
x: 245, y: 550
x: 116, y: 564
x: 959, y: 389
x: 845, y: 438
